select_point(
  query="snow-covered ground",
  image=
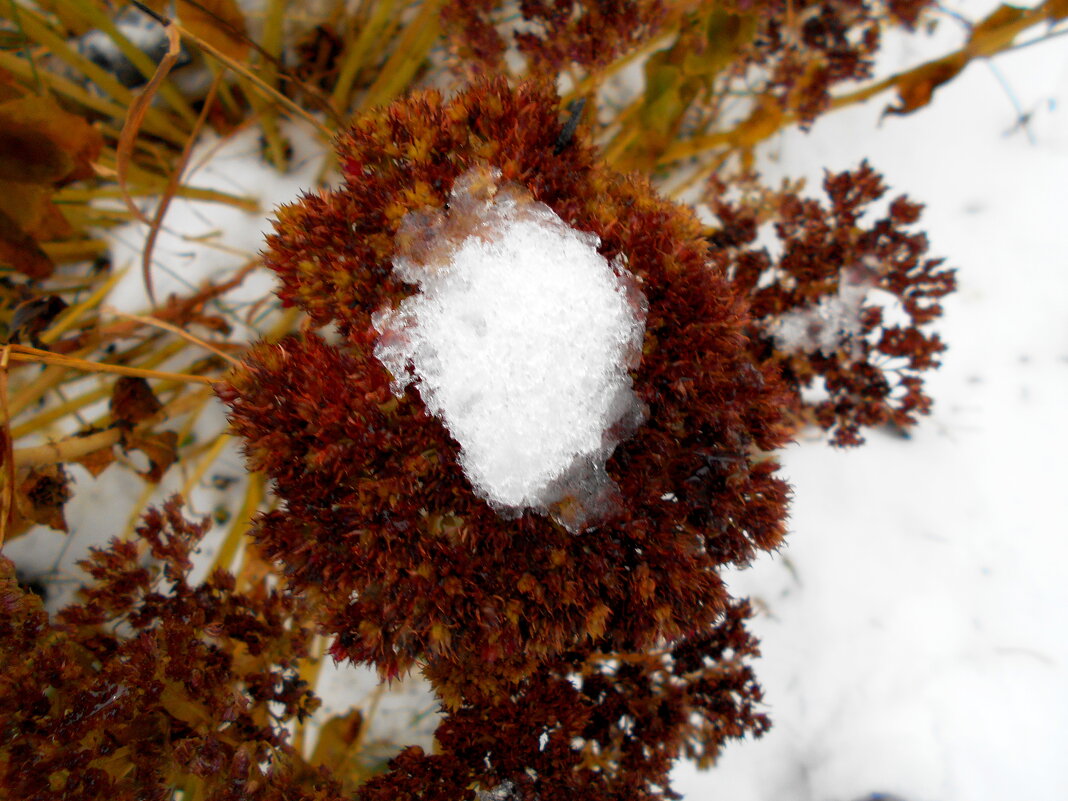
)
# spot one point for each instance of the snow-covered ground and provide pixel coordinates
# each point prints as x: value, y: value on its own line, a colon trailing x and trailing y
x: 915, y: 627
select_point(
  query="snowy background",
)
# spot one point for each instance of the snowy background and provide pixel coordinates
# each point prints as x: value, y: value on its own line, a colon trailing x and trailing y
x: 915, y: 628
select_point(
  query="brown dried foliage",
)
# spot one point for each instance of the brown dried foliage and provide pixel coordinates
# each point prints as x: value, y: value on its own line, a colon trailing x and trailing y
x: 151, y: 683
x: 42, y: 147
x: 593, y: 725
x: 569, y: 666
x: 556, y: 33
x: 804, y: 49
x: 874, y: 376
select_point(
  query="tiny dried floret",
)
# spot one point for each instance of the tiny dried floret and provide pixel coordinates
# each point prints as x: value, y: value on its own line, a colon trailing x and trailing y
x: 520, y: 340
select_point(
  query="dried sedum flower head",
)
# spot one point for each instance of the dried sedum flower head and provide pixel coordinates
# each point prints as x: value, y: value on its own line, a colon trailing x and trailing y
x: 552, y: 35
x: 846, y: 306
x: 520, y: 340
x: 407, y: 563
x: 150, y: 682
x: 591, y: 725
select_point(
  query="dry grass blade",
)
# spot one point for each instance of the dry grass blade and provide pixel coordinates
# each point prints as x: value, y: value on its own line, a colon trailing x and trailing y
x: 228, y: 549
x: 21, y: 353
x: 9, y: 458
x: 97, y: 15
x: 172, y: 185
x: 65, y: 321
x: 375, y: 29
x: 24, y: 70
x: 256, y: 81
x: 411, y: 49
x: 76, y: 446
x: 135, y: 117
x: 66, y: 450
x: 165, y: 326
x: 212, y: 455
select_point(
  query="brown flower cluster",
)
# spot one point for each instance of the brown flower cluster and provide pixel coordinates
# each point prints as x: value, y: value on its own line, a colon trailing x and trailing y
x: 592, y: 725
x: 552, y: 35
x: 151, y: 683
x: 789, y: 55
x: 576, y: 655
x: 405, y: 564
x: 801, y: 50
x: 859, y: 297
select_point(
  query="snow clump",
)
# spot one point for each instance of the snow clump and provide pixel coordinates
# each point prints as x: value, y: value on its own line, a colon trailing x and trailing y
x: 830, y: 324
x: 520, y: 340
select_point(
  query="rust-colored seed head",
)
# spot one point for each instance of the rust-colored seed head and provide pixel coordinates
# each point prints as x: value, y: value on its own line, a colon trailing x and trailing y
x: 408, y: 564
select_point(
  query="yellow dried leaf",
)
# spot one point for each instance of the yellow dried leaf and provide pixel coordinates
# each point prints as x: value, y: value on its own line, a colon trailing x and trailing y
x: 995, y: 31
x: 160, y: 448
x: 96, y: 462
x: 1056, y: 9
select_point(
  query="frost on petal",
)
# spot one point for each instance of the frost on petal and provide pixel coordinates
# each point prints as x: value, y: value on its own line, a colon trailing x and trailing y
x: 520, y: 340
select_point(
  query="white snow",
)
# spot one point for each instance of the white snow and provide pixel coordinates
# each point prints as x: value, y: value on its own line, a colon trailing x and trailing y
x: 505, y: 791
x: 913, y: 627
x: 830, y: 324
x: 520, y: 340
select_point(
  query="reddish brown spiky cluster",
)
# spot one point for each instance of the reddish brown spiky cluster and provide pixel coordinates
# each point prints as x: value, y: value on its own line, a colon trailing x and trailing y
x: 412, y: 564
x: 552, y: 35
x: 874, y: 376
x: 594, y: 726
x: 151, y: 683
x: 804, y: 49
x: 407, y: 566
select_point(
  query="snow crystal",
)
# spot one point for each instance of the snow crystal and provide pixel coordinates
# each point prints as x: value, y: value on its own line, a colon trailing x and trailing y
x: 520, y: 340
x: 831, y: 323
x: 502, y: 792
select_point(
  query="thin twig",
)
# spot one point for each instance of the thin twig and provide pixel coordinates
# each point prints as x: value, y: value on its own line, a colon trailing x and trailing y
x: 172, y: 187
x: 132, y: 126
x: 156, y: 323
x: 9, y: 457
x: 21, y: 353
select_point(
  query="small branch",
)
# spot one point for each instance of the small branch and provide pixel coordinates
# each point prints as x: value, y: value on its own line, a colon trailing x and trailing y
x: 21, y: 353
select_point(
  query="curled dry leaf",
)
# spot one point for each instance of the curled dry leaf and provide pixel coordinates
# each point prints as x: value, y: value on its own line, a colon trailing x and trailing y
x: 42, y: 146
x: 918, y: 88
x: 161, y: 448
x: 39, y: 499
x: 132, y: 401
x: 96, y: 462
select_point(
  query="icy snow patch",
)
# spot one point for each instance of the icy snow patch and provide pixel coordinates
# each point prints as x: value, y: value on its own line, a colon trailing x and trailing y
x: 520, y: 340
x: 831, y: 323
